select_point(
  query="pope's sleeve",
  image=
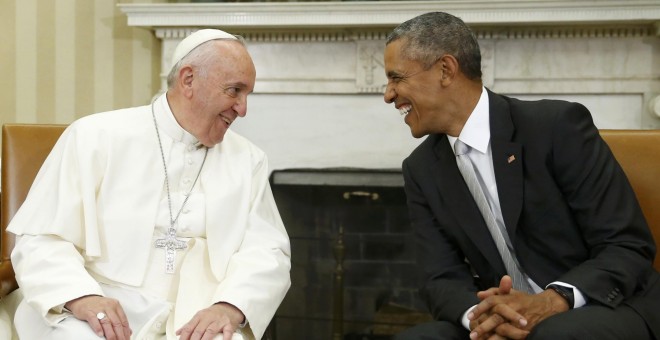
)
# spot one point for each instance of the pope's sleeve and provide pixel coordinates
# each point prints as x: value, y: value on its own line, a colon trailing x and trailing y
x: 258, y: 273
x: 54, y: 227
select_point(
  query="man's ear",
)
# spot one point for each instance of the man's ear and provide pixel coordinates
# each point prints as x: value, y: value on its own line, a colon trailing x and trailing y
x: 185, y: 81
x: 449, y: 67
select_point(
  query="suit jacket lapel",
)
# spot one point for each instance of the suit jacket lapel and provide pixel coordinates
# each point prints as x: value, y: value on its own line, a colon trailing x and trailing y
x: 507, y: 162
x: 455, y: 193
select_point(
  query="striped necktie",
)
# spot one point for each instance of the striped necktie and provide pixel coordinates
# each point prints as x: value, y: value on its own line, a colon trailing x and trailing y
x: 467, y: 170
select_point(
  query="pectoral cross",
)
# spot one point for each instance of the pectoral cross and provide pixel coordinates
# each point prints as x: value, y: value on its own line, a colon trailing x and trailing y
x: 171, y: 244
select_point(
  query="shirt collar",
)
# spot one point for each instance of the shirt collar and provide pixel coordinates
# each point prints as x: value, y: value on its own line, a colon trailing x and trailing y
x: 168, y: 123
x: 476, y: 131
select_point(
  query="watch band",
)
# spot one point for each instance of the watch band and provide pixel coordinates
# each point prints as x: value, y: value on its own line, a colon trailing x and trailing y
x: 566, y: 293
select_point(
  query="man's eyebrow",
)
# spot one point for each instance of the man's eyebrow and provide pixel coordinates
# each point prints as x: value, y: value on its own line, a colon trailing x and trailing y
x: 392, y: 74
x: 235, y: 84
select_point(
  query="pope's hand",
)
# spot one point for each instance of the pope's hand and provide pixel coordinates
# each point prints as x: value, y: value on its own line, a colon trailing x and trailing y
x: 220, y: 318
x: 104, y: 315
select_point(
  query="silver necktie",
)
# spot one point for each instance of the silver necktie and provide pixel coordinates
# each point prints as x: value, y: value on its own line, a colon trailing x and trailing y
x: 467, y: 170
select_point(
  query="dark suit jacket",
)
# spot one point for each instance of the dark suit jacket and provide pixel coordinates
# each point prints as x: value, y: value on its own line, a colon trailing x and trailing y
x: 567, y: 205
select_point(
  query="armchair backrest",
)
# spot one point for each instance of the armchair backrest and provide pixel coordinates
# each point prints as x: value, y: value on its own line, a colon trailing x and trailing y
x: 638, y: 152
x: 24, y: 149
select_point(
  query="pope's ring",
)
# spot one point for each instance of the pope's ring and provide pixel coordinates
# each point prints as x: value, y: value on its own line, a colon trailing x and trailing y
x: 100, y: 316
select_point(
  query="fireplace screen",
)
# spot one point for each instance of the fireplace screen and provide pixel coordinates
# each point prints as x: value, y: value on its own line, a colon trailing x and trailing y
x: 353, y: 274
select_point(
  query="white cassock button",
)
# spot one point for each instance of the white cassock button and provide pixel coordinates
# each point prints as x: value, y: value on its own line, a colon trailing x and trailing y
x: 190, y: 161
x: 186, y: 181
x: 158, y: 325
x: 191, y: 147
x: 185, y: 211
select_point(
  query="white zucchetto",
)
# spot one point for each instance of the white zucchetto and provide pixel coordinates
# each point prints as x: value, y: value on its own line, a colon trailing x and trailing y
x: 195, y: 39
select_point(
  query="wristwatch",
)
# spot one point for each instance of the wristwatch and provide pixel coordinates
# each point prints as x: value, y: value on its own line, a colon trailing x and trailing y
x: 564, y: 292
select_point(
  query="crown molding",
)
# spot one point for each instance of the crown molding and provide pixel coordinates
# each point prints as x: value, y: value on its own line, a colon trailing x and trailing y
x: 360, y: 14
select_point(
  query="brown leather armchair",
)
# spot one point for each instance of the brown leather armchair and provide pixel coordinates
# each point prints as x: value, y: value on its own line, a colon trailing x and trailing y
x: 24, y: 149
x: 638, y: 152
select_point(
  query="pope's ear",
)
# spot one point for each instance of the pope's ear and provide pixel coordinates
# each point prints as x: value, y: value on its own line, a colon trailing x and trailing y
x: 185, y: 80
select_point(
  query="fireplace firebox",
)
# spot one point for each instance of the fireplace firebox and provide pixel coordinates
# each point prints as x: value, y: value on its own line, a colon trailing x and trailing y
x: 353, y: 274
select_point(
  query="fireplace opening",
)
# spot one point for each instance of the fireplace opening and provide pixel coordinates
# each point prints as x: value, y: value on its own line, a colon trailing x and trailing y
x: 353, y: 273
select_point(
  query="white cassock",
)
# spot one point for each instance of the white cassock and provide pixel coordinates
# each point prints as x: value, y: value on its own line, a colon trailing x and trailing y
x: 98, y: 204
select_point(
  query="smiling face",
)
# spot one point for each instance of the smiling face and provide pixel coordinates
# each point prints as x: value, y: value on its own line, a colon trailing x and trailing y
x: 217, y: 92
x: 416, y: 92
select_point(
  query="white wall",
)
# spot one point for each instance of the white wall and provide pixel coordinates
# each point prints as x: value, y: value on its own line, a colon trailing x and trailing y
x: 318, y: 131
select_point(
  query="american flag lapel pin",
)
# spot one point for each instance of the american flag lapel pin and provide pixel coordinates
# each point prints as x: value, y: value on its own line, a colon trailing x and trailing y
x: 511, y: 159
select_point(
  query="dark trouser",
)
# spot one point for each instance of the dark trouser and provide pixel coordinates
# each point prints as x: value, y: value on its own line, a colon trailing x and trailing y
x: 589, y: 322
x: 434, y: 330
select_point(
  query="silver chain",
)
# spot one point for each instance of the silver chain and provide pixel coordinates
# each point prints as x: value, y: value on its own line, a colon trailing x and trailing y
x: 167, y: 181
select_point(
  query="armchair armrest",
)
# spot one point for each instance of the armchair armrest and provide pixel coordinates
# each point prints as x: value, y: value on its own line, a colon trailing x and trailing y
x: 7, y: 279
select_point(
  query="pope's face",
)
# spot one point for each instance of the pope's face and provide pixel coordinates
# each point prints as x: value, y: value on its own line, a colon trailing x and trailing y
x: 416, y: 92
x: 220, y: 96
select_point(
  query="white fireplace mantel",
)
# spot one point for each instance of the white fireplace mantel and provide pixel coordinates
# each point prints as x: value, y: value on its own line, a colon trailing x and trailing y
x: 265, y: 15
x: 320, y: 70
x: 336, y: 47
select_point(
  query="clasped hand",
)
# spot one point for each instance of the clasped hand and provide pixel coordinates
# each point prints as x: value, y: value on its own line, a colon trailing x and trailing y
x: 220, y: 318
x: 505, y: 313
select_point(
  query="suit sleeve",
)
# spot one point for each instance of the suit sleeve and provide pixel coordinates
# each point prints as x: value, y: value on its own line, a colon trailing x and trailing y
x: 621, y: 248
x: 447, y: 284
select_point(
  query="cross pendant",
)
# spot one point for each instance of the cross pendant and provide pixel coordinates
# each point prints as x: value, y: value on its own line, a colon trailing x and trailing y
x: 171, y: 244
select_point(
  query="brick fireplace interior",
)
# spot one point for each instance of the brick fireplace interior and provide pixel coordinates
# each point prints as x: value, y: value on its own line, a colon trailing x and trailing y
x: 365, y: 212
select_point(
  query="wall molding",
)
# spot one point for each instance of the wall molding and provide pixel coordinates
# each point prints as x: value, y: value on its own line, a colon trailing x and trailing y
x: 305, y: 15
x: 563, y: 32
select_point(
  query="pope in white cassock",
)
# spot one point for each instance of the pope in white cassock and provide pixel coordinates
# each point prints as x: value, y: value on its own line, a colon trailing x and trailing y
x: 156, y: 222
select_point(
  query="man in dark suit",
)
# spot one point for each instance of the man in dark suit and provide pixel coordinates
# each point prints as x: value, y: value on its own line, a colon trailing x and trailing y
x: 578, y: 244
